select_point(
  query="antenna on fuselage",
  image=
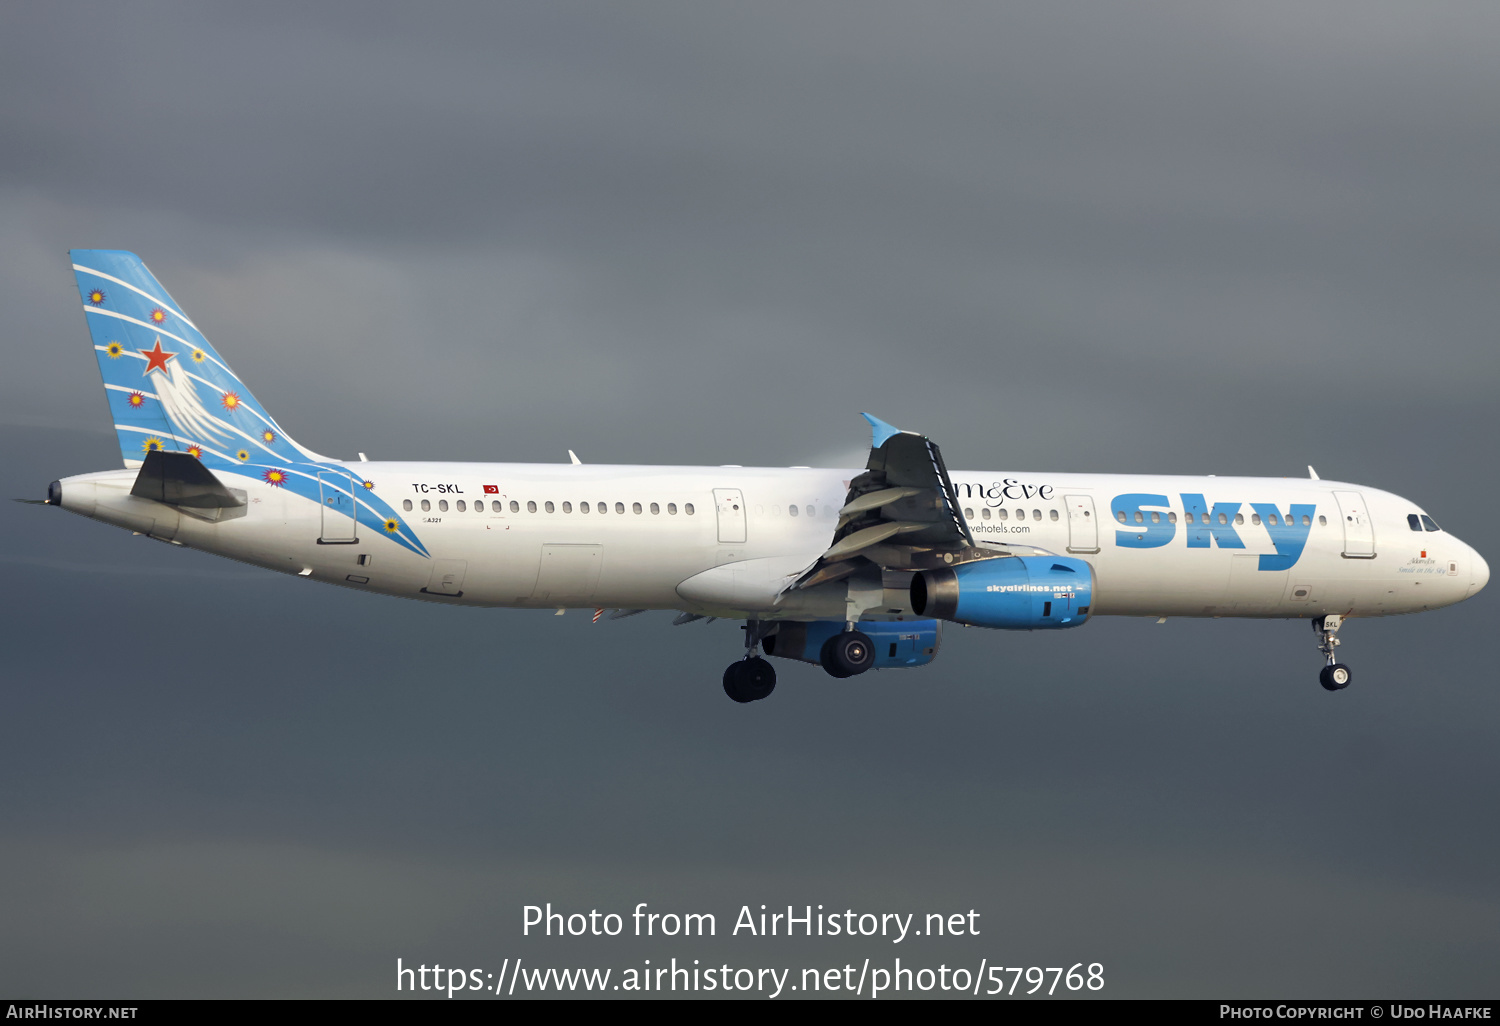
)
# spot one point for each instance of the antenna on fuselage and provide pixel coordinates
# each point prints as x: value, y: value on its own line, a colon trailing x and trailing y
x: 1313, y: 473
x: 574, y: 457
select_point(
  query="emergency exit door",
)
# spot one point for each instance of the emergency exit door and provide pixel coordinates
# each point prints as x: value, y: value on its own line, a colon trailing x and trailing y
x: 336, y: 492
x: 1359, y: 532
x: 731, y: 509
x: 1083, y: 524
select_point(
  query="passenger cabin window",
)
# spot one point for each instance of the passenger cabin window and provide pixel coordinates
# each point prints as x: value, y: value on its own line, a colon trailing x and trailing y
x: 406, y: 505
x: 583, y: 507
x: 1036, y: 514
x: 671, y: 509
x: 1414, y: 522
x: 655, y: 509
x: 443, y: 505
x: 687, y: 507
x: 791, y: 510
x: 549, y: 507
x: 968, y: 514
x: 1322, y: 521
x: 1306, y: 520
x: 464, y: 509
x: 1156, y: 518
x: 1053, y: 514
x: 635, y: 507
x: 985, y: 513
x: 567, y: 507
x: 1429, y: 523
x: 426, y: 505
x: 1223, y: 519
x: 1239, y: 518
x: 620, y: 507
x: 1188, y: 517
x: 603, y: 507
x: 1255, y: 518
x: 1171, y: 517
x: 1140, y: 517
x: 531, y: 505
x: 1004, y: 514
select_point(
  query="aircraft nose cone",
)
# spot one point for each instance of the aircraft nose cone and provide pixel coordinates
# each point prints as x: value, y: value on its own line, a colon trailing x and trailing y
x: 1479, y: 573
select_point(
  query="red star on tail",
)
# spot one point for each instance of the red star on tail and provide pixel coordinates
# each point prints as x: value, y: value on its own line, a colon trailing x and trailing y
x: 155, y: 358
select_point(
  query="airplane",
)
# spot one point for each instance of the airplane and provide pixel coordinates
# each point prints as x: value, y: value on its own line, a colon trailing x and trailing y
x: 850, y: 568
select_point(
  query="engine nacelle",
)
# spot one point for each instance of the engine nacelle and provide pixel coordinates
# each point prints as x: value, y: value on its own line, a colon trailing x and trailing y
x: 1021, y: 593
x: 896, y: 644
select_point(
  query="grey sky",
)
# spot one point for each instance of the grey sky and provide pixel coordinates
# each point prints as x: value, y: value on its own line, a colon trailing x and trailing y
x: 1144, y: 237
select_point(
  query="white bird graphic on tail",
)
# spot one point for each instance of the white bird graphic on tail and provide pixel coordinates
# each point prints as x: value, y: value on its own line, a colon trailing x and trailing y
x: 174, y: 386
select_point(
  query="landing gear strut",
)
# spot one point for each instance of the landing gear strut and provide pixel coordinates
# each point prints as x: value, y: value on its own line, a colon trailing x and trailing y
x: 1335, y: 676
x: 752, y: 678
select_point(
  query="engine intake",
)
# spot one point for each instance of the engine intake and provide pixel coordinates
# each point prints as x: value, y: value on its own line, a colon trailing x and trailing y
x: 1023, y: 593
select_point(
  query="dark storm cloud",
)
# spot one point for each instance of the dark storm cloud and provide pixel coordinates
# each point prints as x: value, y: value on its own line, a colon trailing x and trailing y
x: 1145, y: 237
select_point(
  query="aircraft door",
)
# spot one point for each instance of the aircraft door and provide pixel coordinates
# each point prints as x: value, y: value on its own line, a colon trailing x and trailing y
x: 731, y: 507
x: 339, y: 522
x: 1083, y: 525
x: 1359, y: 532
x: 569, y: 574
x: 446, y: 578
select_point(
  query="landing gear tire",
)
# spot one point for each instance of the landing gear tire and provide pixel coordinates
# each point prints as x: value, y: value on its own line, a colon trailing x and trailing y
x: 848, y: 654
x: 749, y: 680
x: 1335, y: 677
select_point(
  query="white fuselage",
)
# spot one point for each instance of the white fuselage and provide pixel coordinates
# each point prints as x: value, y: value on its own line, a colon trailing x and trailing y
x: 741, y: 542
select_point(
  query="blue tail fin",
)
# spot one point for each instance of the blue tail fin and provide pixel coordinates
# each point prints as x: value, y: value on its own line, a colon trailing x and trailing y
x: 169, y: 390
x: 167, y: 387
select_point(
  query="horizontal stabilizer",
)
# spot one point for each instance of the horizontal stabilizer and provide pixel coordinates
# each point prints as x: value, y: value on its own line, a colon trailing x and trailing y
x: 178, y: 479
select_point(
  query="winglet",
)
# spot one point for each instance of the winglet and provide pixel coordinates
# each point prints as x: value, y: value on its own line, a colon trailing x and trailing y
x: 879, y: 431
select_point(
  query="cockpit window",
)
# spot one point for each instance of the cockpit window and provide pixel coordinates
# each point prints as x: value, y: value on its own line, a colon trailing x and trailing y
x: 1413, y: 521
x: 1428, y: 523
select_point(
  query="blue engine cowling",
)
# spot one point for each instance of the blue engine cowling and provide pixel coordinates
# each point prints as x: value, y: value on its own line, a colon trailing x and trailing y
x: 1025, y: 593
x: 912, y: 643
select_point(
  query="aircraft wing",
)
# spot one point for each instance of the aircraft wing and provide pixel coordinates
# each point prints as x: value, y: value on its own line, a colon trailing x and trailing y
x: 900, y: 514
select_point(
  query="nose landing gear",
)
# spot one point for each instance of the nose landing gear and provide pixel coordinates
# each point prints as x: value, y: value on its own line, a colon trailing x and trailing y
x: 1335, y: 676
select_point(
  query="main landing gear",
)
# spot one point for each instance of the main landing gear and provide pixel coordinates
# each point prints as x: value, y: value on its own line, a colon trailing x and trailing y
x: 848, y: 654
x: 845, y: 654
x: 1335, y: 676
x: 752, y: 678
